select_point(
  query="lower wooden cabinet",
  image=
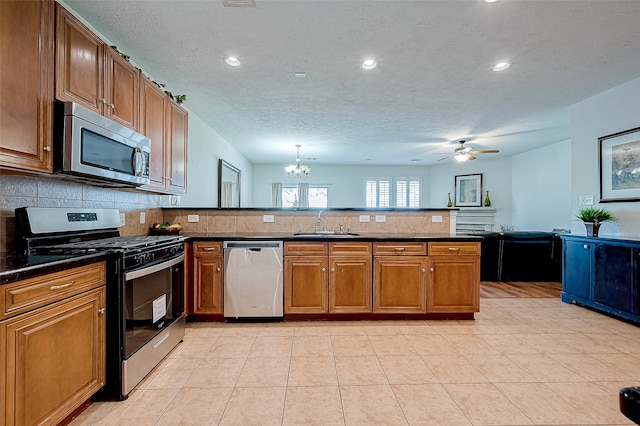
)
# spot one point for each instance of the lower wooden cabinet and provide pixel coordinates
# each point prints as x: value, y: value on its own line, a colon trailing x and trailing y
x: 53, y: 356
x: 305, y: 285
x: 454, y: 277
x: 205, y: 295
x: 399, y: 277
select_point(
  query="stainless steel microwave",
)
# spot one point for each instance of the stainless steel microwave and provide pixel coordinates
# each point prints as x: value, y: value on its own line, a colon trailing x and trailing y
x: 94, y: 148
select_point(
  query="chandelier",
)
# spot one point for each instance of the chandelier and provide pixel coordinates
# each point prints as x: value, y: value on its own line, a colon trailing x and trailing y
x: 298, y: 169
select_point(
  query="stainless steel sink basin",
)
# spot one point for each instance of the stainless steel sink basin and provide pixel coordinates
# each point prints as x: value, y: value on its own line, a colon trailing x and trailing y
x: 324, y: 234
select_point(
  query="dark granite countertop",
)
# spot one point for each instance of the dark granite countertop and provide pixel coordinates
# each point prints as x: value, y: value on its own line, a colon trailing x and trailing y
x: 604, y: 238
x: 16, y: 267
x: 288, y: 236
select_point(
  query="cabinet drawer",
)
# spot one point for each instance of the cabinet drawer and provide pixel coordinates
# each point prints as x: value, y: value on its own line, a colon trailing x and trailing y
x: 201, y: 248
x: 453, y: 248
x: 350, y: 248
x: 399, y: 249
x: 305, y: 248
x: 23, y: 296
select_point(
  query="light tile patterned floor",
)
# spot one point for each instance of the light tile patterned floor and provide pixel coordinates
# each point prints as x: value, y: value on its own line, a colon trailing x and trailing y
x: 521, y: 362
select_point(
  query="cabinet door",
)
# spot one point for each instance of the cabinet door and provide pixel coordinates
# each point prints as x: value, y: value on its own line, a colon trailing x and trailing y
x: 26, y: 87
x: 79, y: 63
x: 399, y: 284
x: 305, y: 285
x: 613, y: 277
x: 153, y: 111
x: 453, y: 284
x: 207, y: 285
x: 350, y: 284
x: 122, y: 90
x: 54, y: 358
x: 577, y: 269
x: 177, y: 149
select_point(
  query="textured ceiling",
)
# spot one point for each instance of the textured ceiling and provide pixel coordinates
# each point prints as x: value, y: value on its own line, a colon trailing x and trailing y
x: 433, y: 84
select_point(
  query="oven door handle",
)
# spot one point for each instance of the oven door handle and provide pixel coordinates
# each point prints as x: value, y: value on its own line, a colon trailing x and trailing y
x: 152, y: 269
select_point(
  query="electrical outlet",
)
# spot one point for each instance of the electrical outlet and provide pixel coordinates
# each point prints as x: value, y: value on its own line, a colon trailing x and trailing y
x: 143, y: 217
x: 193, y: 218
x: 365, y: 218
x: 436, y: 218
x: 268, y: 218
x: 380, y: 218
x: 586, y: 200
x: 122, y: 219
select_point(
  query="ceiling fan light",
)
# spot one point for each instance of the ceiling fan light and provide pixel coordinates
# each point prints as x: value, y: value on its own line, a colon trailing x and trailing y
x: 461, y: 157
x: 501, y: 66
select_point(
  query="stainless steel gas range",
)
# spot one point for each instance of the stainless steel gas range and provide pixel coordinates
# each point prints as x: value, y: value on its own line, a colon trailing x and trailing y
x: 145, y: 285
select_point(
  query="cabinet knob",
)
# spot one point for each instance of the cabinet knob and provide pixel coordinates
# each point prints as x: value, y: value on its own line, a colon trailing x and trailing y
x: 218, y: 269
x: 586, y: 246
x: 101, y: 311
x: 324, y: 269
x: 112, y: 106
x: 47, y: 148
x: 103, y: 101
x: 333, y: 269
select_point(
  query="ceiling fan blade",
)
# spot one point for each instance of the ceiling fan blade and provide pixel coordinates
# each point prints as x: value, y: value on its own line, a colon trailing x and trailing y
x: 443, y: 158
x: 471, y: 157
x: 484, y: 151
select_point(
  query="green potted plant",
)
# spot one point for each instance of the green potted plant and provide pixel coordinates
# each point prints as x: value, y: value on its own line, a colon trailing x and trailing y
x: 593, y: 217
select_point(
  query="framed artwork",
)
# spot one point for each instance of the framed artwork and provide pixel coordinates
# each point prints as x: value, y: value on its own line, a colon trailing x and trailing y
x: 620, y: 166
x: 468, y: 190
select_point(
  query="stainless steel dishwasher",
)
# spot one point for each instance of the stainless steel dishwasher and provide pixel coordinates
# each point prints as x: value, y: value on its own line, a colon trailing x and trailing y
x: 253, y: 279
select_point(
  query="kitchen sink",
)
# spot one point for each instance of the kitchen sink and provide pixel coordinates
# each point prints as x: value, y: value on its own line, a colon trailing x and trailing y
x: 324, y: 235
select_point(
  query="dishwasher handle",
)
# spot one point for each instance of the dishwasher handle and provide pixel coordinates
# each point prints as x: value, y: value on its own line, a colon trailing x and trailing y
x: 253, y: 245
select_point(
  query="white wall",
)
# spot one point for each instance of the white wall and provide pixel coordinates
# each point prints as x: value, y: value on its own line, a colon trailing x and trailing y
x: 205, y: 148
x: 346, y: 183
x: 496, y: 178
x: 541, y: 181
x: 609, y: 112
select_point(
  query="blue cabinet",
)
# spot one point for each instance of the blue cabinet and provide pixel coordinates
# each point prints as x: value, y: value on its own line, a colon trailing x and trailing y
x: 602, y: 274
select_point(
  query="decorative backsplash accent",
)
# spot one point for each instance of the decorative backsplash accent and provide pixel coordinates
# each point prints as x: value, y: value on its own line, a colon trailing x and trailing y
x: 30, y: 191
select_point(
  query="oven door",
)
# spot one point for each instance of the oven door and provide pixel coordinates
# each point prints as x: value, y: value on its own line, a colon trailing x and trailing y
x: 153, y: 300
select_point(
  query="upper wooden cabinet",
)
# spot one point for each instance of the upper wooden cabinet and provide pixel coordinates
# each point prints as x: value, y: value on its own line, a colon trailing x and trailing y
x: 153, y: 124
x: 92, y: 74
x: 176, y: 148
x: 26, y: 84
x: 166, y: 124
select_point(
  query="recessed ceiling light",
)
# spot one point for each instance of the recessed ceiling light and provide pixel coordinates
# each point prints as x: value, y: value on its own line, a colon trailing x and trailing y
x: 369, y: 64
x: 300, y: 74
x: 501, y: 66
x: 233, y: 61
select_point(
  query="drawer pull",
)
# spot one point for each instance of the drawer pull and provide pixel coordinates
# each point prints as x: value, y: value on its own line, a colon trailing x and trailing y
x: 454, y: 248
x: 398, y: 248
x: 209, y: 248
x: 101, y: 311
x: 58, y: 287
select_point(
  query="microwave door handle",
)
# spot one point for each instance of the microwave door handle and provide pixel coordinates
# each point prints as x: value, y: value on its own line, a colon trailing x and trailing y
x: 138, y: 161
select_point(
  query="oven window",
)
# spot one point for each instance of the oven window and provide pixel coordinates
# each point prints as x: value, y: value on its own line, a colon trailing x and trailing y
x: 152, y: 302
x: 106, y: 153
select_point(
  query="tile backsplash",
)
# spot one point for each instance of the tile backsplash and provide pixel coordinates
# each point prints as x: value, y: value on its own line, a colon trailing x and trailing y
x: 30, y: 191
x: 214, y: 221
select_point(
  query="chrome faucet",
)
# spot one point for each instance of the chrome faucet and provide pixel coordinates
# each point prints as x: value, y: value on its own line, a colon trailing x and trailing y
x: 324, y: 225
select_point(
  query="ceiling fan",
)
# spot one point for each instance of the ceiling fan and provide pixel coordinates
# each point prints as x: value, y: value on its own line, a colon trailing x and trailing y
x: 466, y: 153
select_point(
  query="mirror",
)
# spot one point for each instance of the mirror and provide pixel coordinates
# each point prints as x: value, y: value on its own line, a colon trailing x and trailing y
x: 228, y: 185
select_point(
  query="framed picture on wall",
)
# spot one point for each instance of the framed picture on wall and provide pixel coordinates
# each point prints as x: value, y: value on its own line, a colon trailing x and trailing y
x: 468, y: 190
x: 620, y: 166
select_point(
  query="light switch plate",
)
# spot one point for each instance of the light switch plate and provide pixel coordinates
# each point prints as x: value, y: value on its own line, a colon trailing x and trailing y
x: 143, y: 217
x: 381, y: 218
x: 268, y: 218
x: 365, y: 218
x: 122, y: 219
x: 436, y: 218
x: 193, y: 218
